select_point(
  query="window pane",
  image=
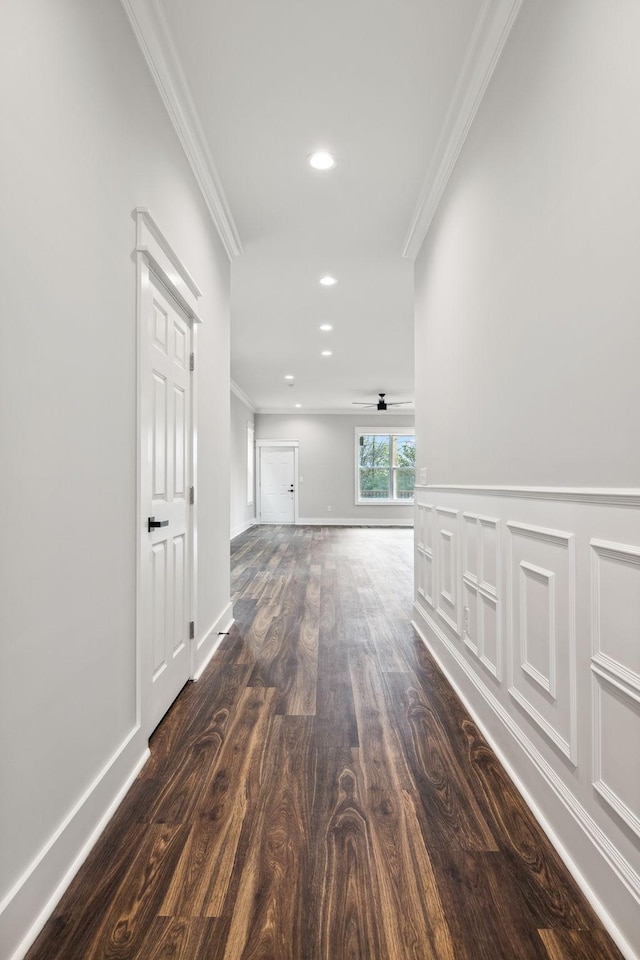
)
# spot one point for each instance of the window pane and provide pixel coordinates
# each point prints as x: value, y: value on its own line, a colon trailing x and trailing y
x: 374, y: 484
x: 404, y: 478
x: 405, y: 452
x: 374, y: 451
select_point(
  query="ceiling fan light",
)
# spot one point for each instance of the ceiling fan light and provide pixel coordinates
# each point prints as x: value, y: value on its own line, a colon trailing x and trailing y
x: 328, y: 281
x: 325, y: 327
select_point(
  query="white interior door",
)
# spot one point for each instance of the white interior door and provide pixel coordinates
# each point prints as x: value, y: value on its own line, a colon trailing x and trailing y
x: 166, y: 476
x: 277, y: 485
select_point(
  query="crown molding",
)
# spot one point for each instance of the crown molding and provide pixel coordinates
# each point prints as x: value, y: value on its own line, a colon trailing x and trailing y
x: 492, y: 29
x: 334, y: 412
x: 151, y: 30
x: 241, y: 395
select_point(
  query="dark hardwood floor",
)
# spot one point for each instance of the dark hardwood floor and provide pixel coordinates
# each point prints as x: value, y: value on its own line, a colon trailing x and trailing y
x: 321, y: 794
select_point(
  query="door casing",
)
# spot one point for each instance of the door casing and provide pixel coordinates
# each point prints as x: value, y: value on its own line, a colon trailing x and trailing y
x: 156, y: 262
x: 260, y: 445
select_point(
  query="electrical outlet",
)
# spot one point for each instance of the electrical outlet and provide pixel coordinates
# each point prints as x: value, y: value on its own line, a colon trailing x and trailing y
x: 423, y: 475
x: 329, y: 509
x: 300, y: 479
x: 466, y: 616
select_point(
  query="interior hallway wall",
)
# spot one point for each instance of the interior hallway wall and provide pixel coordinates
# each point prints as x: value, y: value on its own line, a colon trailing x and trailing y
x: 527, y: 346
x: 242, y: 512
x: 85, y: 140
x: 326, y: 462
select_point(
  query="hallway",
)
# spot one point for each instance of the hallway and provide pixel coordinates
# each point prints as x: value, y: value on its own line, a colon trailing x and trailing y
x: 321, y: 793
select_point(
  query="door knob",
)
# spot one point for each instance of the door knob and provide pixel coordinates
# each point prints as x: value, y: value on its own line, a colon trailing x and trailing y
x: 153, y: 523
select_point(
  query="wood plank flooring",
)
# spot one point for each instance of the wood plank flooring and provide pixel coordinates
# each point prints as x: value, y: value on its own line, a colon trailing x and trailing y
x: 321, y: 794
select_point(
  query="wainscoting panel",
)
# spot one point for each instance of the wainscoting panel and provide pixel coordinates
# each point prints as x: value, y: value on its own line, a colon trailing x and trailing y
x: 529, y: 599
x: 541, y: 630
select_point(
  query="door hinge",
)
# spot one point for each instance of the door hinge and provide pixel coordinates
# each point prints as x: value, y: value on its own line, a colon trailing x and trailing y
x: 192, y: 362
x: 192, y: 630
x: 192, y: 495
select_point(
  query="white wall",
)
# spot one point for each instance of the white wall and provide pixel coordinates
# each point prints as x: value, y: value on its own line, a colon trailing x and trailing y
x: 242, y: 513
x: 527, y: 345
x: 85, y: 140
x: 326, y: 462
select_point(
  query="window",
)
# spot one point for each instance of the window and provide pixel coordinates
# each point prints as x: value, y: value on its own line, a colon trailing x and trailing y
x: 385, y: 466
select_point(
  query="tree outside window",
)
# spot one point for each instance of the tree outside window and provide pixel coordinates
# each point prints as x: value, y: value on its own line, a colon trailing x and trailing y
x: 386, y: 467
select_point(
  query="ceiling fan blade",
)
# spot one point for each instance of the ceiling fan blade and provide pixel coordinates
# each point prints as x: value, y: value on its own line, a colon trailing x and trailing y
x: 397, y: 403
x: 360, y: 403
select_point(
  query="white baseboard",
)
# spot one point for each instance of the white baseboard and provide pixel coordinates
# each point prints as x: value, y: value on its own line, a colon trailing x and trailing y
x: 582, y: 845
x: 40, y: 888
x: 211, y: 640
x: 352, y: 522
x: 241, y: 527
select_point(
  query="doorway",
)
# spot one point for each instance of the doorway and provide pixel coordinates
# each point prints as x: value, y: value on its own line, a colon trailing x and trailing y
x: 166, y: 512
x: 277, y: 486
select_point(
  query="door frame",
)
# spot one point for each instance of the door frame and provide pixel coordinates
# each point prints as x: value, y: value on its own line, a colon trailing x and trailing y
x: 157, y: 262
x: 292, y: 445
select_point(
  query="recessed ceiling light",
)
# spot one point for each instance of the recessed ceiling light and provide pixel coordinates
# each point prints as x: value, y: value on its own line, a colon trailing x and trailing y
x: 326, y: 326
x: 326, y: 353
x: 298, y: 404
x: 322, y: 160
x: 288, y: 376
x: 328, y: 281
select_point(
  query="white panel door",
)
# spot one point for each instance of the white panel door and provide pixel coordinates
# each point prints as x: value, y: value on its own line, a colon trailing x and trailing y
x: 166, y: 445
x: 277, y: 487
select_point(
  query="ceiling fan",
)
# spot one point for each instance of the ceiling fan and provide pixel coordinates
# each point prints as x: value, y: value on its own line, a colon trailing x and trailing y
x: 381, y: 404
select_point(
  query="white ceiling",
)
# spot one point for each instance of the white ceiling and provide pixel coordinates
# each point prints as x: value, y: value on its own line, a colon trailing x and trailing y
x: 390, y: 87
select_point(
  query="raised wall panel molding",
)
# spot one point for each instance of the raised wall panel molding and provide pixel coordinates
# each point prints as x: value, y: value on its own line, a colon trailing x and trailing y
x: 482, y: 594
x: 424, y: 547
x: 621, y: 868
x: 150, y: 28
x: 627, y: 733
x: 523, y: 576
x: 445, y: 556
x: 493, y: 26
x: 529, y: 571
x: 614, y: 640
x: 615, y: 496
x: 615, y: 584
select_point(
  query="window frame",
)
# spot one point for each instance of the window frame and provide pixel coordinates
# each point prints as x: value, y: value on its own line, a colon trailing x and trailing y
x: 383, y: 432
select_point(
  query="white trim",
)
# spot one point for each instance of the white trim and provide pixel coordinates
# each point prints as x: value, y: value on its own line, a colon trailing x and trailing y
x: 339, y: 412
x: 277, y: 443
x: 174, y: 274
x: 155, y: 257
x: 493, y: 26
x: 352, y: 522
x: 260, y: 445
x: 615, y: 496
x: 590, y: 832
x: 212, y: 640
x: 250, y: 471
x: 242, y: 396
x: 381, y: 432
x: 241, y: 527
x: 67, y: 849
x: 560, y: 538
x: 150, y: 28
